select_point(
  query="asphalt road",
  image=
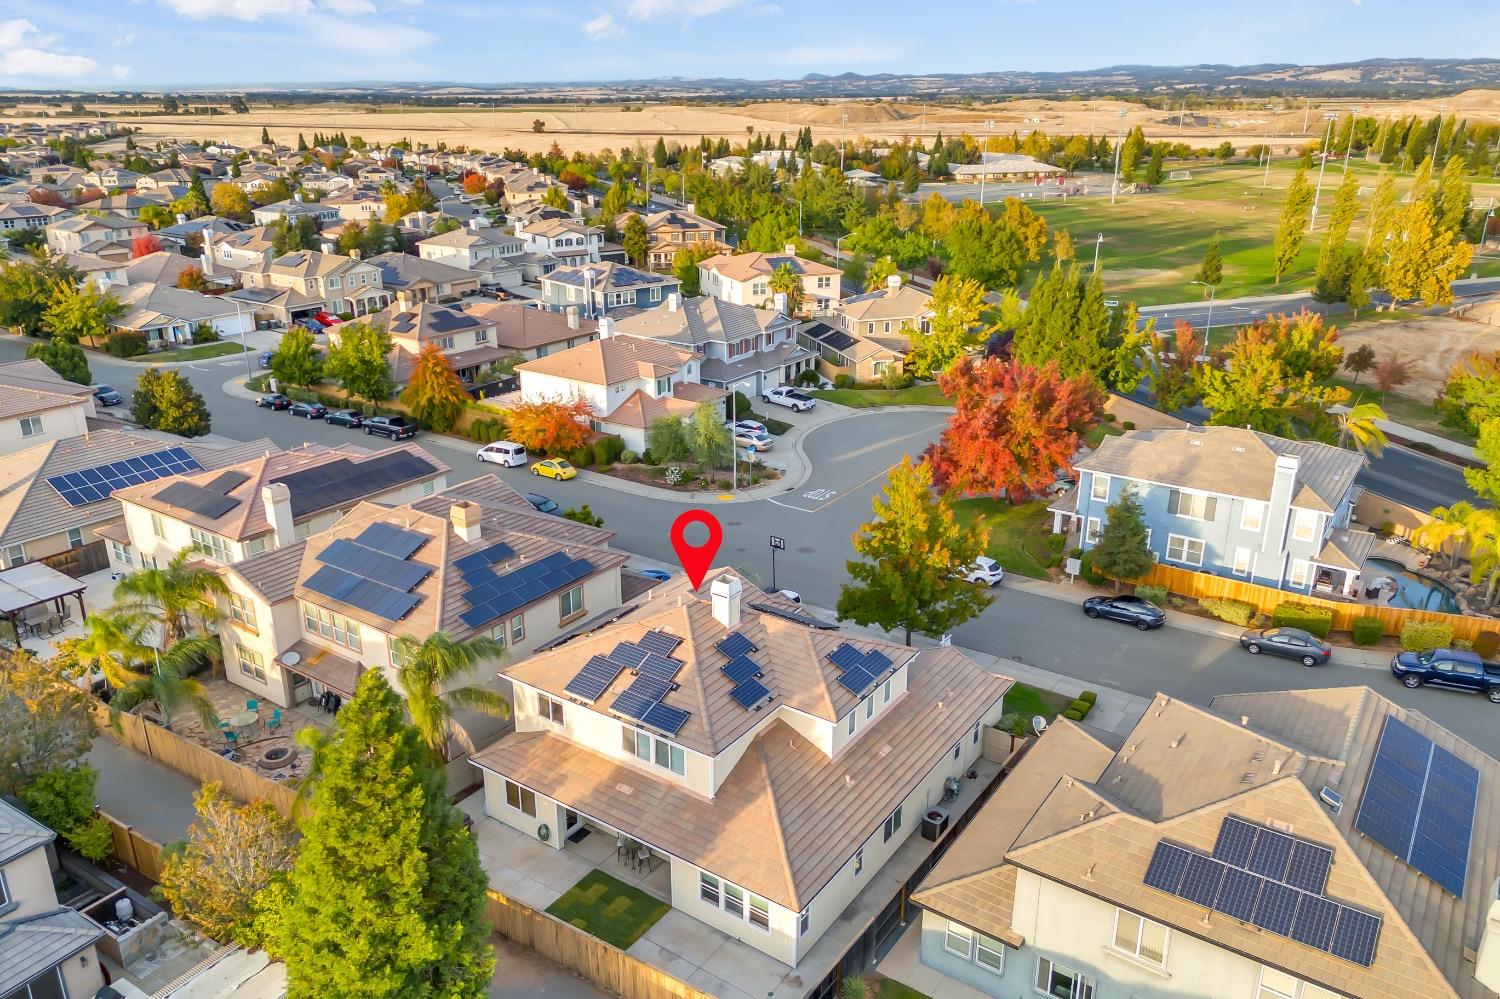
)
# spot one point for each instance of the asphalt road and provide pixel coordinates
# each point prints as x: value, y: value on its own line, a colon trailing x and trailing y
x: 1239, y: 311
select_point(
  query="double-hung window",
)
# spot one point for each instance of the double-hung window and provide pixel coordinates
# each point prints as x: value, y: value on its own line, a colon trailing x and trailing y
x: 760, y: 912
x: 1305, y: 525
x: 734, y: 901
x: 1299, y: 573
x: 708, y: 889
x: 989, y: 953
x: 644, y: 746
x: 1188, y: 551
x: 1093, y: 531
x: 1140, y: 938
x: 1099, y: 487
x: 1241, y: 561
x: 892, y: 823
x: 241, y: 611
x: 570, y: 603
x: 250, y: 662
x: 1194, y: 506
x: 1252, y: 515
x: 958, y: 940
x: 1062, y: 983
x: 335, y: 627
x: 31, y: 426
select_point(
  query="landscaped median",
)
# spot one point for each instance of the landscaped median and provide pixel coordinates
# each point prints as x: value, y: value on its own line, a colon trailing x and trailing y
x: 868, y: 398
x: 200, y: 352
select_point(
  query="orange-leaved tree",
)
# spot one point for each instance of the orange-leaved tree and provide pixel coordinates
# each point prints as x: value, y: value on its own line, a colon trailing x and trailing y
x: 1012, y: 426
x: 550, y: 427
x: 433, y: 394
x: 475, y: 183
x: 140, y: 246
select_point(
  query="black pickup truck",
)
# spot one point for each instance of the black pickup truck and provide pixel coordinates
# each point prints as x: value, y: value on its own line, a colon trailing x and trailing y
x: 1448, y: 668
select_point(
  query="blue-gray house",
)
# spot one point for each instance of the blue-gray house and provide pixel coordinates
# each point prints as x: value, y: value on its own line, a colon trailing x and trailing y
x: 1231, y: 502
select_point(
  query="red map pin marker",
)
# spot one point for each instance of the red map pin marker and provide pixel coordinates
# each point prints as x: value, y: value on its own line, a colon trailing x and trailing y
x: 696, y: 561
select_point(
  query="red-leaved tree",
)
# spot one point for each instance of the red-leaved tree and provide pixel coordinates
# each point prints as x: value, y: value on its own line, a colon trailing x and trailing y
x: 1012, y: 426
x: 475, y: 183
x: 549, y: 428
x: 143, y: 245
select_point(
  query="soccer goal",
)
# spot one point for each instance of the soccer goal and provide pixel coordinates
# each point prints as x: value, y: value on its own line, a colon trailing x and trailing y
x: 1180, y: 175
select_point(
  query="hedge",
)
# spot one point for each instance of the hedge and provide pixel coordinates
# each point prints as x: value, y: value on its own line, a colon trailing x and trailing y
x: 1487, y: 644
x: 1088, y: 697
x: 1087, y: 571
x: 125, y: 343
x: 1228, y: 609
x: 1156, y: 594
x: 1082, y: 707
x: 1290, y: 614
x: 1421, y: 636
x: 1072, y: 715
x: 1367, y: 630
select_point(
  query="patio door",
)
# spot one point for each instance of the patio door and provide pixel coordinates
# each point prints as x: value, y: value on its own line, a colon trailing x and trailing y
x: 571, y: 822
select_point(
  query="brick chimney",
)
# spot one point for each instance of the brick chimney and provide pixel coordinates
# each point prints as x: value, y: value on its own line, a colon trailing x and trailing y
x: 465, y: 518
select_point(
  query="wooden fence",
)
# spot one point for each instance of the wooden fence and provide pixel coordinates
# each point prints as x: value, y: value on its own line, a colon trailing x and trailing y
x: 138, y: 852
x: 598, y: 961
x: 198, y: 762
x: 1200, y: 584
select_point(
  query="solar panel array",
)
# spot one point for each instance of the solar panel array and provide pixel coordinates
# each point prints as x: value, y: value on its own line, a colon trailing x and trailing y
x: 91, y: 485
x: 364, y: 572
x: 1419, y: 804
x: 655, y: 677
x: 749, y: 691
x: 860, y: 669
x: 1271, y: 880
x: 196, y: 499
x: 335, y: 483
x: 491, y: 594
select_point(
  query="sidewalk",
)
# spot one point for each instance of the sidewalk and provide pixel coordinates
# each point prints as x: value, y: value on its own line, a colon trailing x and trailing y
x: 1411, y: 435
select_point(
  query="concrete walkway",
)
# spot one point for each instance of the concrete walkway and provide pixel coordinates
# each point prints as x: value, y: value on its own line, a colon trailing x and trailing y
x: 1411, y: 435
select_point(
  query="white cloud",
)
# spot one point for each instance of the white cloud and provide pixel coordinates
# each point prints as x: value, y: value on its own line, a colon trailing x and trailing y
x: 349, y: 8
x: 239, y: 10
x: 20, y: 57
x: 123, y: 41
x: 377, y: 38
x: 644, y: 9
x: 602, y: 27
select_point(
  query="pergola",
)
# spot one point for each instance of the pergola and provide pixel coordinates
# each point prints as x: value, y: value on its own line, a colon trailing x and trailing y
x: 34, y: 584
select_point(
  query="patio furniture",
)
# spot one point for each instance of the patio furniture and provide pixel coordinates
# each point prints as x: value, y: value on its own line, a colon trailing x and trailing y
x: 643, y: 857
x: 233, y: 738
x: 54, y: 624
x: 244, y: 719
x: 275, y: 720
x: 622, y: 846
x: 252, y: 705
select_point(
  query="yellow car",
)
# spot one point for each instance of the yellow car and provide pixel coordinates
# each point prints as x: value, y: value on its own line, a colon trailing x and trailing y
x: 554, y: 468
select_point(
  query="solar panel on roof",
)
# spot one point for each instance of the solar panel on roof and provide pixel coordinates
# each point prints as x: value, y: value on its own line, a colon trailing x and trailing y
x: 1236, y: 837
x: 1355, y: 935
x: 632, y: 704
x: 1270, y: 855
x: 1202, y: 879
x: 1239, y: 893
x: 1313, y: 924
x: 856, y: 680
x: 391, y: 539
x: 372, y: 564
x: 750, y: 694
x: 1278, y: 904
x: 735, y: 644
x: 740, y: 669
x: 665, y: 719
x: 484, y: 557
x: 659, y: 642
x: 659, y: 665
x: 1309, y: 866
x: 594, y: 679
x: 877, y: 662
x: 630, y: 654
x: 375, y: 598
x: 846, y: 656
x: 1167, y: 864
x: 90, y: 485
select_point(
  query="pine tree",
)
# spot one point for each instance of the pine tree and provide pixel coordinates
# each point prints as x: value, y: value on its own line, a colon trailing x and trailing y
x: 635, y: 240
x: 1333, y: 257
x: 1122, y: 551
x: 1154, y: 167
x: 177, y: 406
x: 387, y: 896
x: 1292, y: 225
x: 1211, y: 271
x: 265, y: 136
x: 1131, y: 153
x: 1066, y: 321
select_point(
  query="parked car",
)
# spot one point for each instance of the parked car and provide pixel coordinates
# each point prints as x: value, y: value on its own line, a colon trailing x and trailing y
x: 507, y: 453
x: 1291, y: 643
x: 265, y: 358
x: 985, y: 570
x: 394, y: 427
x: 1454, y: 668
x: 310, y: 410
x: 345, y: 418
x: 554, y: 468
x: 542, y: 504
x: 106, y: 396
x: 794, y: 399
x: 1128, y: 608
x: 660, y: 575
x: 274, y: 400
x: 751, y: 439
x: 749, y: 426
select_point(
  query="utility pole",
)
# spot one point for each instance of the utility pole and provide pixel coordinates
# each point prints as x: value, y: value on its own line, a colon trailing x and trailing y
x: 1097, y: 243
x: 988, y: 124
x: 1306, y: 112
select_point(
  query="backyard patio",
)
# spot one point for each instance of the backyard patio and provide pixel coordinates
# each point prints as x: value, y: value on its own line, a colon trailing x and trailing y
x: 255, y: 734
x: 98, y: 594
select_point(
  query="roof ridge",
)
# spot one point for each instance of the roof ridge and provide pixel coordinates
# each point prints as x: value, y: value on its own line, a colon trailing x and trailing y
x: 770, y: 785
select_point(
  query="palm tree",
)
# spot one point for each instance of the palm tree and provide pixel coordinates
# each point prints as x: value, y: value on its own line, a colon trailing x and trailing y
x: 428, y: 668
x: 1449, y: 523
x: 114, y: 643
x: 1483, y: 530
x: 168, y: 686
x: 1360, y: 426
x: 185, y: 586
x: 788, y: 282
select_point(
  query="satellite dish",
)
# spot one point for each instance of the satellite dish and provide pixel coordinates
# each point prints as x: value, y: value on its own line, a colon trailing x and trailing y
x: 1038, y: 724
x: 290, y: 658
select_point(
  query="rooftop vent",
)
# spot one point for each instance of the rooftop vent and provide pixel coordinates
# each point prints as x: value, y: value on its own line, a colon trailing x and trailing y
x: 1331, y: 798
x: 625, y: 789
x: 1178, y: 741
x: 1247, y: 778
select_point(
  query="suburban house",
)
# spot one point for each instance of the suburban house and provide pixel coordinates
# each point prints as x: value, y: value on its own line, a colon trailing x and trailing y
x: 488, y: 250
x: 47, y: 950
x: 866, y: 335
x: 267, y: 502
x: 55, y: 497
x: 772, y: 764
x: 356, y: 204
x: 88, y: 233
x: 414, y: 279
x: 37, y: 405
x: 1231, y: 502
x: 304, y: 282
x: 525, y: 186
x: 168, y: 316
x: 1005, y: 167
x: 749, y: 349
x: 532, y: 332
x: 572, y: 241
x: 310, y: 617
x: 294, y: 209
x: 672, y: 230
x: 466, y: 339
x: 30, y: 215
x: 599, y: 289
x: 628, y: 381
x: 1298, y: 844
x: 190, y: 231
x: 239, y: 251
x: 745, y: 279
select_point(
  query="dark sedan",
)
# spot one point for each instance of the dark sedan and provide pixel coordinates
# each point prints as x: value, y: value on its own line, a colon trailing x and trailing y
x: 542, y: 503
x: 310, y: 410
x: 345, y: 418
x: 106, y: 396
x: 274, y: 400
x: 1127, y: 608
x: 1289, y: 643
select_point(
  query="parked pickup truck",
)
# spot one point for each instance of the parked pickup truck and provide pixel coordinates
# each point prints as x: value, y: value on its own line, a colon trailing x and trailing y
x: 1448, y: 668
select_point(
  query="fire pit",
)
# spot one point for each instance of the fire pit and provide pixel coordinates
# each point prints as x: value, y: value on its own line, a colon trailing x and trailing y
x: 276, y: 757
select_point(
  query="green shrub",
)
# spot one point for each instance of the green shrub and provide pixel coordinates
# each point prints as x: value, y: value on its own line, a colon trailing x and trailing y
x: 205, y: 333
x: 1086, y: 570
x: 1088, y: 697
x: 260, y: 383
x: 808, y: 377
x: 1175, y: 601
x: 647, y: 458
x: 1367, y: 630
x: 1487, y: 644
x: 843, y: 381
x: 1082, y: 707
x: 1147, y: 591
x: 581, y: 457
x: 1228, y: 609
x: 1290, y: 614
x: 1128, y: 425
x: 610, y: 448
x: 1055, y: 543
x: 1422, y: 636
x: 629, y: 457
x: 1072, y: 715
x: 1110, y: 417
x: 894, y: 378
x: 1463, y: 644
x: 774, y: 427
x: 125, y: 343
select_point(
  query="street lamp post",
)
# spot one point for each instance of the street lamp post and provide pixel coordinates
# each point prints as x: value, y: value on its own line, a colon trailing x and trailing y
x: 988, y: 123
x: 1114, y: 184
x: 1312, y: 220
x: 799, y: 214
x: 843, y: 120
x: 1208, y: 326
x: 1270, y: 148
x: 1097, y: 243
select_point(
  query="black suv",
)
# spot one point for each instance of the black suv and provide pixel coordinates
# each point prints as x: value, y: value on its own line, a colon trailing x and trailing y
x: 396, y: 428
x: 274, y: 400
x: 1128, y: 608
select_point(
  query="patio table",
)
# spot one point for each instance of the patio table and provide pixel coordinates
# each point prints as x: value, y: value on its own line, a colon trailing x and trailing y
x: 244, y: 719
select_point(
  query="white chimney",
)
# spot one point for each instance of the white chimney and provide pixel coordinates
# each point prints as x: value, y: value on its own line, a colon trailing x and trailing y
x: 181, y: 218
x: 1487, y: 963
x: 475, y: 223
x: 356, y: 253
x: 780, y: 302
x: 692, y: 208
x: 893, y: 282
x: 465, y: 518
x: 725, y: 593
x: 606, y: 327
x: 297, y: 197
x: 208, y: 251
x: 572, y: 318
x: 277, y: 500
x: 791, y: 249
x: 674, y: 302
x: 327, y: 246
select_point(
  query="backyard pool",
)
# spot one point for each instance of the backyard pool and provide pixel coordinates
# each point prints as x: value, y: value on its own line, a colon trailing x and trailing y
x: 1413, y: 590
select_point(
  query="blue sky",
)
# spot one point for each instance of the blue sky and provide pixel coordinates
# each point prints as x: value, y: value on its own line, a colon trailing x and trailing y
x: 140, y: 43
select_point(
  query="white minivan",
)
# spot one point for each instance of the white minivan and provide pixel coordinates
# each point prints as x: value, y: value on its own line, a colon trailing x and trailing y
x: 506, y: 453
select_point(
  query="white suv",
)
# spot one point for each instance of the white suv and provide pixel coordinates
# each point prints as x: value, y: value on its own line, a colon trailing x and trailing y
x: 985, y: 570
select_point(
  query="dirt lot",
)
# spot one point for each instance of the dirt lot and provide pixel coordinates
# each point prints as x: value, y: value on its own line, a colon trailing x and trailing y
x: 1431, y: 345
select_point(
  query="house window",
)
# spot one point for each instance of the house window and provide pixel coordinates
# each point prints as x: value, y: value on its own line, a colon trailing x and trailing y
x: 517, y: 629
x: 75, y: 537
x: 241, y: 611
x: 760, y: 912
x: 804, y: 922
x: 976, y: 733
x: 1194, y: 506
x: 429, y: 487
x: 663, y: 386
x: 1298, y: 576
x: 47, y: 985
x: 31, y: 426
x: 14, y: 556
x: 334, y: 627
x: 1099, y: 487
x: 958, y: 748
x: 255, y: 546
x: 892, y: 823
x: 445, y: 343
x: 853, y: 721
x: 212, y: 545
x: 988, y: 953
x: 1188, y: 551
x: 1252, y: 515
x: 885, y: 693
x: 734, y: 901
x: 122, y: 554
x: 1091, y: 536
x: 522, y: 799
x: 549, y: 708
x: 398, y: 658
x: 157, y: 527
x: 859, y: 861
x: 1241, y: 561
x: 1140, y: 938
x: 1062, y: 983
x: 250, y: 662
x: 660, y: 752
x: 1305, y: 526
x: 1276, y: 984
x: 869, y: 707
x: 570, y: 603
x: 708, y: 889
x: 481, y: 336
x: 958, y: 940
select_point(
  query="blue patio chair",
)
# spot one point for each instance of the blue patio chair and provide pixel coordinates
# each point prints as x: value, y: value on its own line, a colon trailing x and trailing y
x: 252, y: 705
x: 232, y: 738
x: 275, y: 720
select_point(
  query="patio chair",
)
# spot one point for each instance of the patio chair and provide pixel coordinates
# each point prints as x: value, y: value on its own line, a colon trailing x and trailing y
x: 622, y: 847
x: 233, y: 738
x: 275, y: 720
x: 252, y: 705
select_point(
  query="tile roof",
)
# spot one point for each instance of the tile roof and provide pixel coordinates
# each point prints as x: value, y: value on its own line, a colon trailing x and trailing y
x: 696, y: 321
x: 521, y: 327
x: 607, y: 362
x: 20, y: 833
x: 745, y: 266
x: 32, y: 387
x: 148, y: 306
x: 608, y: 276
x: 906, y: 304
x: 35, y: 944
x: 401, y: 270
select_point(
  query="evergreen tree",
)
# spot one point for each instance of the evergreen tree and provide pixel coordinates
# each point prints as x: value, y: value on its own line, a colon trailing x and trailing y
x: 1292, y: 225
x: 67, y: 359
x: 387, y: 896
x: 167, y: 401
x: 1121, y: 551
x: 635, y: 240
x: 1211, y: 271
x: 296, y: 360
x: 1066, y: 321
x: 265, y: 136
x: 1154, y: 167
x: 1383, y: 205
x: 1131, y: 153
x: 1390, y: 141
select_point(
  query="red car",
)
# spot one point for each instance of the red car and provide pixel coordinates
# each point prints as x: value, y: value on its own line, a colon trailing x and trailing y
x: 326, y: 319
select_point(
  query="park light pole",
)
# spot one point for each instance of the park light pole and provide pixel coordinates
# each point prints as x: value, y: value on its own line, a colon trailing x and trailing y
x: 988, y: 124
x: 1208, y: 326
x: 1270, y: 148
x: 1097, y: 243
x: 1312, y: 220
x: 843, y: 121
x: 799, y: 214
x: 1114, y: 184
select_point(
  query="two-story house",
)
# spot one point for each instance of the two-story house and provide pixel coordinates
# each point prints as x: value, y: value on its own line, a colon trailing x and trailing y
x: 869, y: 334
x: 356, y: 204
x: 306, y: 281
x: 414, y: 279
x: 672, y: 230
x: 570, y: 241
x: 475, y: 559
x: 745, y: 279
x: 467, y: 339
x: 491, y: 252
x: 295, y: 209
x: 628, y: 381
x: 241, y: 250
x: 1231, y: 502
x: 532, y: 332
x: 30, y: 215
x: 89, y: 233
x: 772, y: 765
x: 605, y: 288
x: 744, y: 348
x: 47, y: 950
x: 1279, y: 845
x: 37, y: 405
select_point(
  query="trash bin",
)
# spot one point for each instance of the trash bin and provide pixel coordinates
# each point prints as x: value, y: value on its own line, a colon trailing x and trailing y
x: 934, y: 822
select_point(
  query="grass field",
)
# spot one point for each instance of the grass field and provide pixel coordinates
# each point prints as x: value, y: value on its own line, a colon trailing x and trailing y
x: 1028, y: 701
x: 1154, y: 242
x: 203, y: 351
x: 1018, y: 533
x: 608, y: 908
x: 917, y: 395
